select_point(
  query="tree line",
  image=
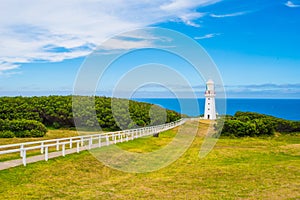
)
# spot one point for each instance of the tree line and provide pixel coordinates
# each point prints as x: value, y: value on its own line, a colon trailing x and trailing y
x: 253, y: 124
x: 111, y: 114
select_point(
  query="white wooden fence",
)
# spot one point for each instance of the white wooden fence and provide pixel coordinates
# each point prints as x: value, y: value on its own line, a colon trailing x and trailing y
x: 85, y: 141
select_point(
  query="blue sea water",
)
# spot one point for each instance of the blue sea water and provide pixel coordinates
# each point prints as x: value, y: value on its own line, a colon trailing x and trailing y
x: 282, y: 108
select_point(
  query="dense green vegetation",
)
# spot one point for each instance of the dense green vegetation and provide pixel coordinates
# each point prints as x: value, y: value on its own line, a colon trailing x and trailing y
x: 240, y: 168
x: 254, y: 124
x: 57, y: 112
x: 21, y: 128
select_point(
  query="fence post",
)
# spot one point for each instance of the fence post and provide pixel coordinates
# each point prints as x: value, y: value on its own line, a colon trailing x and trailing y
x: 107, y: 140
x: 42, y: 147
x: 115, y: 138
x: 99, y: 141
x: 77, y: 148
x: 81, y: 139
x: 90, y: 142
x: 63, y: 149
x: 57, y: 145
x: 70, y: 143
x: 46, y: 153
x: 132, y: 134
x: 21, y: 152
x: 24, y: 157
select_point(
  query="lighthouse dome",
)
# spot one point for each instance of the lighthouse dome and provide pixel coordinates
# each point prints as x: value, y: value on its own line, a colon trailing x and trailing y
x: 210, y: 81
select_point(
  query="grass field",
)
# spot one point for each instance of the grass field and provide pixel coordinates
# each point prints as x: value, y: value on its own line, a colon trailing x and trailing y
x: 247, y: 168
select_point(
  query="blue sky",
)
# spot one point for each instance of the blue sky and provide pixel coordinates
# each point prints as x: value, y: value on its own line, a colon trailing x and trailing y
x: 255, y: 44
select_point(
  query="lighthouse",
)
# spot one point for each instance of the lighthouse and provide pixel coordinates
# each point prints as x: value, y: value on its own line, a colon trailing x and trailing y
x: 210, y: 104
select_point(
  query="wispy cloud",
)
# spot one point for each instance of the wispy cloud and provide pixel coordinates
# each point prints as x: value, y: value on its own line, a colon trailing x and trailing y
x: 179, y: 5
x: 57, y: 30
x: 264, y: 90
x: 232, y: 91
x: 185, y: 9
x: 229, y: 15
x: 120, y: 43
x: 291, y: 4
x: 189, y: 17
x: 210, y: 35
x: 266, y: 86
x: 4, y: 67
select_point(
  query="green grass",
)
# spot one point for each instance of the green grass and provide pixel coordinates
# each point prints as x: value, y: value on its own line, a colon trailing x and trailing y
x: 247, y: 168
x: 149, y: 143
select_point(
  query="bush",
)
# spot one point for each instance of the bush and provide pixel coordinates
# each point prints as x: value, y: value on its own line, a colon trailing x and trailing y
x: 29, y: 133
x: 247, y: 124
x: 22, y: 134
x: 22, y: 128
x: 57, y: 111
x: 56, y: 125
x: 264, y: 127
x: 7, y: 134
x: 279, y: 125
x: 3, y: 125
x: 238, y: 128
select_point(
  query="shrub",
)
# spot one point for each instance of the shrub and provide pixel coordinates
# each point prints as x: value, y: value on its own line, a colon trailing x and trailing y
x: 6, y: 134
x: 56, y: 125
x: 23, y: 134
x: 56, y: 111
x: 23, y: 128
x: 279, y: 125
x: 264, y: 127
x: 238, y: 128
x: 247, y: 124
x: 141, y: 123
x: 36, y: 133
x: 3, y: 125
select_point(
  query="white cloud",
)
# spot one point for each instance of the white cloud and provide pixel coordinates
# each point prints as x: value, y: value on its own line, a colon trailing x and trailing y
x: 178, y: 5
x: 4, y: 66
x: 35, y: 30
x: 210, y: 35
x: 291, y: 4
x: 264, y: 90
x: 189, y: 17
x: 7, y: 66
x: 125, y: 44
x: 228, y: 15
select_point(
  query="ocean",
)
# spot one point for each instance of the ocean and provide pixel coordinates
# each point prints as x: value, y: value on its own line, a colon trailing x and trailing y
x: 281, y: 108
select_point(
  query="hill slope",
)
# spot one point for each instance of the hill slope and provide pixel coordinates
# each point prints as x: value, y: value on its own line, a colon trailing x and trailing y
x: 56, y: 111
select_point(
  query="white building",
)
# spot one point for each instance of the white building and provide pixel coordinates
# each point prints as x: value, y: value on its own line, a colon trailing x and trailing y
x: 210, y: 104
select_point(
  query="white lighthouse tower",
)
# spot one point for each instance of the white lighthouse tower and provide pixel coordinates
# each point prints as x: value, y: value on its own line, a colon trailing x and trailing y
x: 210, y: 104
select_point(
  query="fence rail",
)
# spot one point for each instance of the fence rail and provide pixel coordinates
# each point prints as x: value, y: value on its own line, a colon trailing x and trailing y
x: 85, y: 141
